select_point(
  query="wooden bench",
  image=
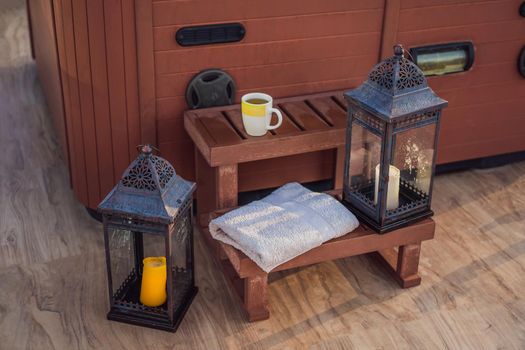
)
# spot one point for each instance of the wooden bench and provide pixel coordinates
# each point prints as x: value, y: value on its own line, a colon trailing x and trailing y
x: 310, y: 123
x: 398, y: 251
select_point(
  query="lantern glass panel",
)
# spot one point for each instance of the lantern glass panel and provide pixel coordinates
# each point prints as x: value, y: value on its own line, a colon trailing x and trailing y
x: 154, y: 245
x: 183, y: 278
x: 127, y: 251
x: 365, y: 151
x: 181, y: 242
x: 412, y: 159
x: 122, y: 258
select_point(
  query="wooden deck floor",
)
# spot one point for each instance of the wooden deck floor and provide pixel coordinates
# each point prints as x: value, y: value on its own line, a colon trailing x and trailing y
x: 52, y: 277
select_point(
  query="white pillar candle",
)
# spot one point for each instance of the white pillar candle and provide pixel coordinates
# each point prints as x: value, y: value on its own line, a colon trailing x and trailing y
x: 392, y: 197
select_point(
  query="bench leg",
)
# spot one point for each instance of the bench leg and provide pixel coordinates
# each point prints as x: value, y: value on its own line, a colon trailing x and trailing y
x: 407, y: 265
x: 218, y: 187
x: 339, y: 168
x: 252, y: 291
x: 226, y: 180
x: 256, y: 297
x: 404, y: 267
x: 206, y: 188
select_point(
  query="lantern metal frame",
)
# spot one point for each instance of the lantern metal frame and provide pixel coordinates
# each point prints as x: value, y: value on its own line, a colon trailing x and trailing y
x: 151, y: 199
x: 395, y: 98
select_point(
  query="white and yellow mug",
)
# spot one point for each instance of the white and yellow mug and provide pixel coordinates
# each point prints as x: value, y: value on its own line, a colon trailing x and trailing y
x: 257, y: 110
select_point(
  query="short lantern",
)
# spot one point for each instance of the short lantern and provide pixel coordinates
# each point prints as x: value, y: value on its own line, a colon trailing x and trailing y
x: 148, y: 235
x: 392, y: 134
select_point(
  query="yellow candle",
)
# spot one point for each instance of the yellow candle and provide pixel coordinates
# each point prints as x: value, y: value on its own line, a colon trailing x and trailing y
x: 392, y: 197
x: 153, y: 288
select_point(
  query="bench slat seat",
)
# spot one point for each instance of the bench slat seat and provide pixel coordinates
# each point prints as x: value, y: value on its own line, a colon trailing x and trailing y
x: 310, y: 123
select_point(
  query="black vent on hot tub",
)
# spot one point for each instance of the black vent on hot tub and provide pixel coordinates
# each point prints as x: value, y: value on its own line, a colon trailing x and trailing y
x: 210, y: 34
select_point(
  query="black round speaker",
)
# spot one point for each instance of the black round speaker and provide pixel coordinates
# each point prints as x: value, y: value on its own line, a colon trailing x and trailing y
x: 521, y: 62
x: 209, y: 88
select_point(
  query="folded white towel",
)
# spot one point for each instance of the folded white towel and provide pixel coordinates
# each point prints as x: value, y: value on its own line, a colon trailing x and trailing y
x: 287, y: 223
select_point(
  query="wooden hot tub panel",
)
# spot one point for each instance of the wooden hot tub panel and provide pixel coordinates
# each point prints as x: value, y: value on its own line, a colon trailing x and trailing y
x: 485, y: 115
x: 115, y: 76
x: 290, y: 48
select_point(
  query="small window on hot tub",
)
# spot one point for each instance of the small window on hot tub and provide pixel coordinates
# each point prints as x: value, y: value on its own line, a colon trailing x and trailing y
x: 444, y: 58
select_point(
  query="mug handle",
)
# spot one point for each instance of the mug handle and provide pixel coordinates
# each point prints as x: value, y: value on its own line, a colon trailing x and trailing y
x: 279, y: 119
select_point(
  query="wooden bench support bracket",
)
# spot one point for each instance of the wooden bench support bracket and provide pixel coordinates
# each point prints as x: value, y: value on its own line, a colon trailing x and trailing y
x: 403, y: 268
x: 251, y: 291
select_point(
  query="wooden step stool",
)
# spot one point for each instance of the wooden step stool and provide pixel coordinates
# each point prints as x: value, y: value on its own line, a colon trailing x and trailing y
x: 250, y: 283
x: 310, y: 123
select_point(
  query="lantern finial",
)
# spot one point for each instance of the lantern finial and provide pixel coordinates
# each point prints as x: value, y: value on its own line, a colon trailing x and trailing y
x: 398, y: 50
x: 146, y: 149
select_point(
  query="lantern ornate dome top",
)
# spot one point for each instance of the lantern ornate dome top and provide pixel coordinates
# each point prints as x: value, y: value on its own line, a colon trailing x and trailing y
x: 148, y: 172
x: 397, y: 74
x: 395, y: 87
x: 149, y: 189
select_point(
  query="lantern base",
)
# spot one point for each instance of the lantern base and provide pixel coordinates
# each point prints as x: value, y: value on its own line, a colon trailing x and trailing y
x: 159, y: 322
x: 388, y: 226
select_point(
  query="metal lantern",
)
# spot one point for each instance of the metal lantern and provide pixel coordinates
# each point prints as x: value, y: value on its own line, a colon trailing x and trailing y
x: 148, y: 236
x: 392, y: 134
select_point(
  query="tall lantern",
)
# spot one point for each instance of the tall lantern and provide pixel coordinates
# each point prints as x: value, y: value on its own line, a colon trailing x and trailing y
x: 148, y: 235
x: 392, y: 135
